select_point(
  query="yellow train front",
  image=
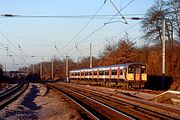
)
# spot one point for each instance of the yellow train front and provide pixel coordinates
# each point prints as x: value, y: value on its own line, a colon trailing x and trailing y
x: 129, y: 75
x: 136, y: 75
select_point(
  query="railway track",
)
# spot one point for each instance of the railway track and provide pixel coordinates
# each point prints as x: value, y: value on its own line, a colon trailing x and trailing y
x: 11, y: 94
x: 95, y: 109
x: 134, y: 108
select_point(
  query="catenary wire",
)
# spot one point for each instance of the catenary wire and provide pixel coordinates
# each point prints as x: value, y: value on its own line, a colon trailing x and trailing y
x: 97, y: 44
x: 100, y: 26
x: 84, y: 26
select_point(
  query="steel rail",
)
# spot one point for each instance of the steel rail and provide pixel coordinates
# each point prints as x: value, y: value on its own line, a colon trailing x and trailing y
x: 121, y: 113
x: 98, y: 102
x: 8, y: 91
x: 144, y: 107
x: 137, y: 100
x: 52, y: 87
x: 11, y: 95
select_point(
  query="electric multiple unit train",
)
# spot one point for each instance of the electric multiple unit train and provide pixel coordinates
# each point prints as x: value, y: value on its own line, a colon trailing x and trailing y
x: 131, y: 74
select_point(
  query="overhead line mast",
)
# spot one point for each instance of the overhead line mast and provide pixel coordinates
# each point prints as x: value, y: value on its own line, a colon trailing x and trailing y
x: 67, y: 71
x: 90, y: 56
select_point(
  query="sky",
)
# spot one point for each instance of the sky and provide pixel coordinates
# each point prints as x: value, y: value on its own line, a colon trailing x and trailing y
x: 30, y: 39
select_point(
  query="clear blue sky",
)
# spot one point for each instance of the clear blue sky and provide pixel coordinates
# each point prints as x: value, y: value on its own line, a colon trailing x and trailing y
x: 45, y: 37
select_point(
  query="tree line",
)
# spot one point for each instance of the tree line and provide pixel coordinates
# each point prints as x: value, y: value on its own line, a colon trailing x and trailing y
x: 126, y: 50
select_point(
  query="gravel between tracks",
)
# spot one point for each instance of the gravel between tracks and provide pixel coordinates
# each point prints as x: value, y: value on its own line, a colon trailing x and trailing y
x: 38, y: 103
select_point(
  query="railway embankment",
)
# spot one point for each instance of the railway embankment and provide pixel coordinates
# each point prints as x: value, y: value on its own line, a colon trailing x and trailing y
x: 38, y: 102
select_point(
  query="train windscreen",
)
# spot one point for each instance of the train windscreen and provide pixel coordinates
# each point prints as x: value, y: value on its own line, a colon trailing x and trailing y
x: 143, y: 69
x: 137, y: 69
x: 131, y: 69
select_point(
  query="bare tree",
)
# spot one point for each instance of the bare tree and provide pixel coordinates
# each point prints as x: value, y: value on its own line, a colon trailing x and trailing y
x: 152, y: 25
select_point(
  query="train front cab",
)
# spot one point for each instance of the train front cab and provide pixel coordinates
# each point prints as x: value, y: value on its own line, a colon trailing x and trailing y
x: 136, y: 75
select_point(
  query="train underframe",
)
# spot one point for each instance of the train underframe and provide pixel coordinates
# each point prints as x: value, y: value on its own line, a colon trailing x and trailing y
x: 114, y: 83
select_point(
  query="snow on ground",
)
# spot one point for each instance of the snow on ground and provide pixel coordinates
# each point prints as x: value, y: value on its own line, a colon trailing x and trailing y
x: 38, y: 103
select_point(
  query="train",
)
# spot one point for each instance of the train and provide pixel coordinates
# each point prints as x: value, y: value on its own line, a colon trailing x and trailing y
x: 129, y: 75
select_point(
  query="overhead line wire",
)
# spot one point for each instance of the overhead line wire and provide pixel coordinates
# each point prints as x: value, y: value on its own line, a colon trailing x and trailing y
x: 3, y: 45
x: 108, y: 22
x: 14, y: 47
x: 124, y: 30
x: 84, y: 26
x: 125, y: 22
x: 117, y: 34
x: 101, y: 26
x: 111, y: 37
x: 8, y: 40
x: 68, y: 16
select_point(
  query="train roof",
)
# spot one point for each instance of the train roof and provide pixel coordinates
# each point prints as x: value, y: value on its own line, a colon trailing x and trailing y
x: 118, y: 65
x: 83, y: 69
x: 121, y: 66
x: 74, y: 71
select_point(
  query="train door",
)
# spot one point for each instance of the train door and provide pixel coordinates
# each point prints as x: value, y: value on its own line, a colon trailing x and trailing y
x: 98, y: 74
x: 137, y: 74
x: 110, y: 73
x: 125, y: 73
x: 118, y: 72
x: 80, y: 75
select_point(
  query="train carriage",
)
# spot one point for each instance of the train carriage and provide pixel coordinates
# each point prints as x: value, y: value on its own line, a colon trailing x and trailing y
x: 132, y: 74
x: 95, y: 73
x: 74, y: 74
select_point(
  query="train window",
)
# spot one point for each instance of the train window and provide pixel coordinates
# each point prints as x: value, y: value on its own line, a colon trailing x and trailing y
x: 138, y: 70
x: 143, y: 70
x: 82, y: 73
x: 78, y: 73
x: 131, y: 70
x: 90, y: 72
x: 86, y: 73
x: 95, y: 72
x: 101, y: 72
x: 106, y: 72
x: 121, y: 71
x: 114, y: 72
